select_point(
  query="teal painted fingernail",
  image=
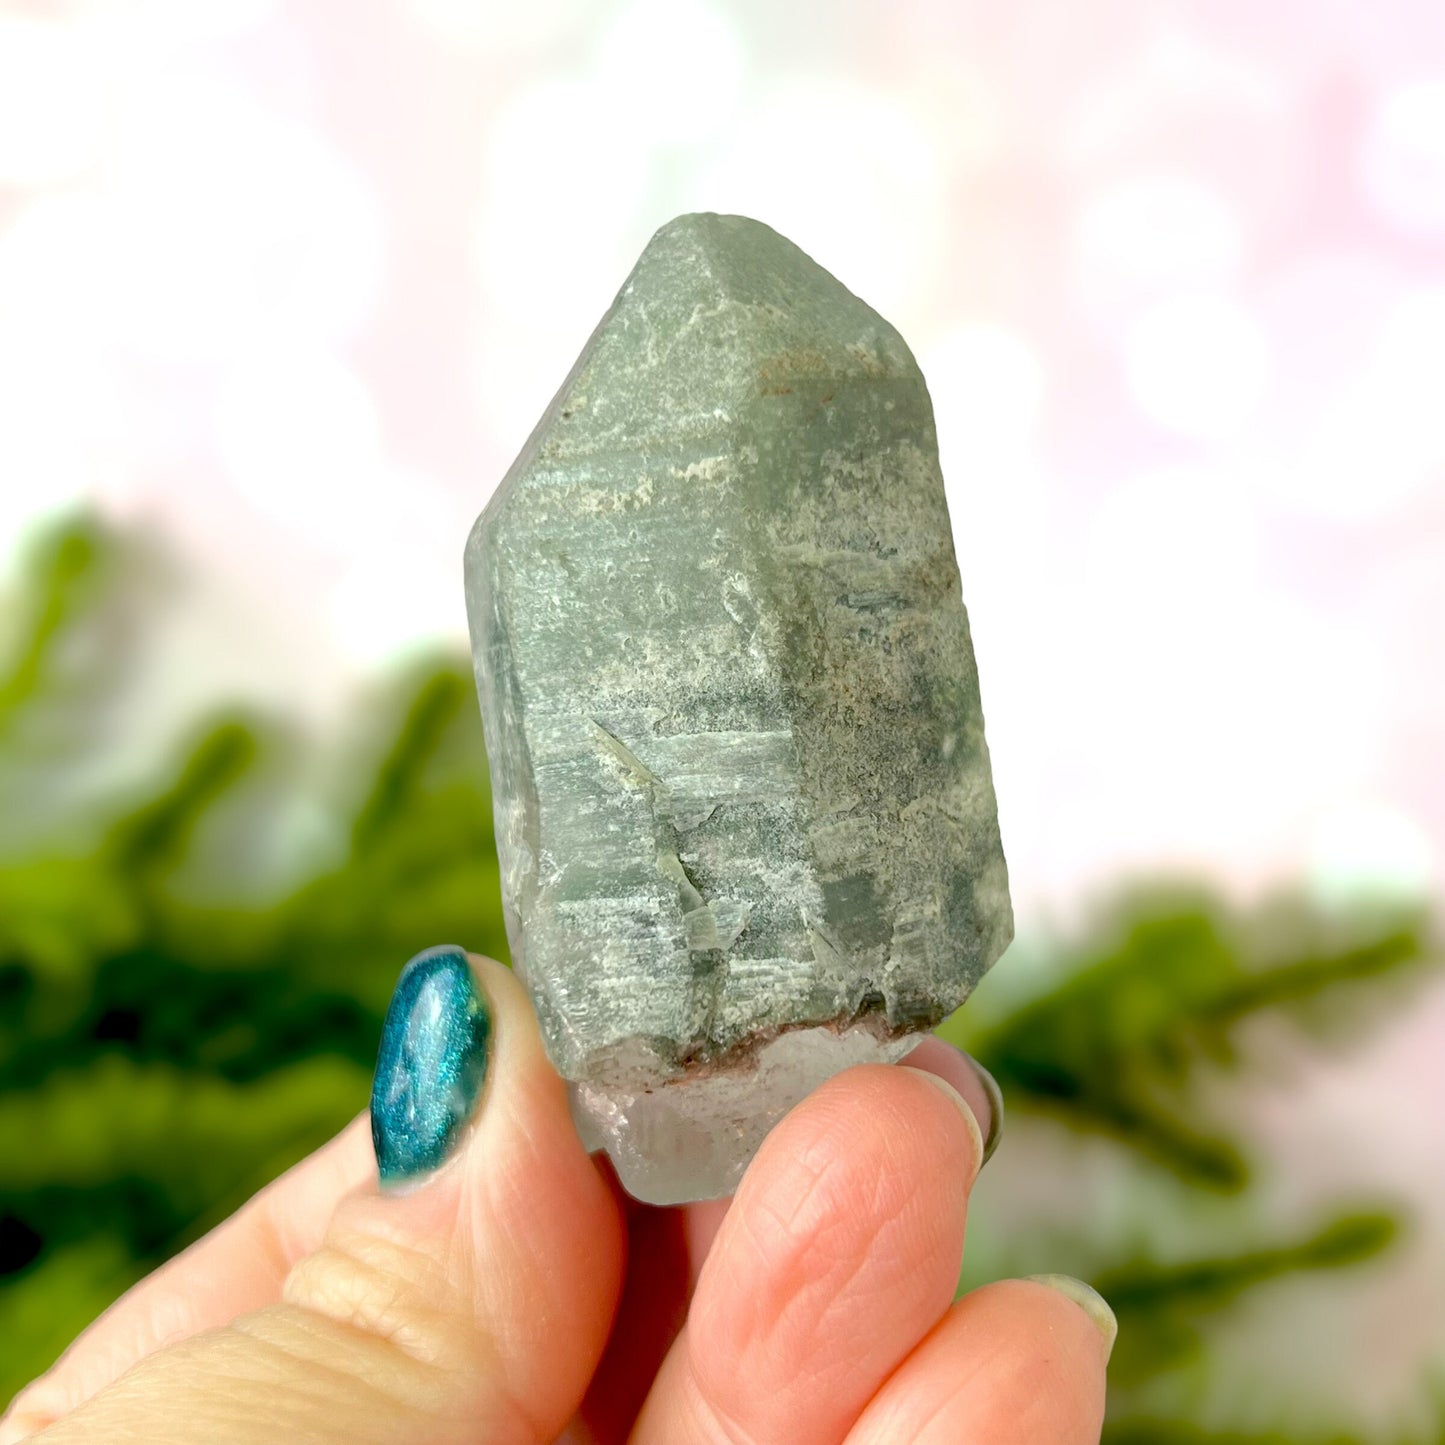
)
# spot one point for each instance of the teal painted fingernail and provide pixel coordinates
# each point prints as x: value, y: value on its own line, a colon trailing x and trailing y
x: 435, y: 1046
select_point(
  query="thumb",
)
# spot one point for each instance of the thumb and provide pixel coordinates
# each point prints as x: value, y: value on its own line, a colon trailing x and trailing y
x: 465, y: 1294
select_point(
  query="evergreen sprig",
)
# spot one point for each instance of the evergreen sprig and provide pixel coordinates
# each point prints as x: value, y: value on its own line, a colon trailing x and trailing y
x: 170, y: 1038
x: 1141, y: 1012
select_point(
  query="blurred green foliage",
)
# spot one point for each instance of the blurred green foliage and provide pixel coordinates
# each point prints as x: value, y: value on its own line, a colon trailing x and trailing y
x: 174, y: 1032
x: 165, y: 1048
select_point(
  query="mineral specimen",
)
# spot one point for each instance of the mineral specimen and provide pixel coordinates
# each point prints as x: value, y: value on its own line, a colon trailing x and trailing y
x: 743, y: 804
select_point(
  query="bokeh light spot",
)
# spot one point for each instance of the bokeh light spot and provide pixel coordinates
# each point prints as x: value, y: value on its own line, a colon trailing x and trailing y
x: 57, y: 98
x: 1371, y: 851
x: 53, y: 282
x: 228, y: 219
x: 390, y: 602
x: 675, y: 66
x: 987, y: 384
x: 213, y: 20
x: 66, y: 432
x: 499, y: 29
x: 1197, y: 365
x: 298, y: 434
x: 564, y: 178
x: 1378, y: 442
x: 1153, y: 234
x: 849, y: 173
x: 1403, y: 157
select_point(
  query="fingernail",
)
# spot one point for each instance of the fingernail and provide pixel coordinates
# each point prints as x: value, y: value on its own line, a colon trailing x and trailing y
x: 435, y: 1046
x: 1089, y: 1300
x: 962, y: 1105
x: 995, y: 1109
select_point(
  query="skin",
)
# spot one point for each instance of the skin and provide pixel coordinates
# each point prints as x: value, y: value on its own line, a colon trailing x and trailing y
x: 518, y: 1296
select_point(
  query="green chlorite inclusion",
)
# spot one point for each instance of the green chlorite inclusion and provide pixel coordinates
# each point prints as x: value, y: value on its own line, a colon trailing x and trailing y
x: 743, y: 803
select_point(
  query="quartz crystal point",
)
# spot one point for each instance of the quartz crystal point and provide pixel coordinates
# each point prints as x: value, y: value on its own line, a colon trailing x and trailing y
x: 743, y: 805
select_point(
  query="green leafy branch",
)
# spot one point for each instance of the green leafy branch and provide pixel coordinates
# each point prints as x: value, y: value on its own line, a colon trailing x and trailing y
x: 167, y: 1045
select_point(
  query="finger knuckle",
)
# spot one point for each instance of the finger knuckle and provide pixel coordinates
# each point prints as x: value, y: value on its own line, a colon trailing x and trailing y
x: 384, y: 1289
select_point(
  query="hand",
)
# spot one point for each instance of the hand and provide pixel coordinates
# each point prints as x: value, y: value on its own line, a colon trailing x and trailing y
x: 515, y: 1294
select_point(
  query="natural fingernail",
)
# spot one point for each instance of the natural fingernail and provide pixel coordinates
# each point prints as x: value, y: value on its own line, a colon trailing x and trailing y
x: 430, y: 1068
x: 962, y: 1105
x: 995, y: 1109
x: 1089, y: 1300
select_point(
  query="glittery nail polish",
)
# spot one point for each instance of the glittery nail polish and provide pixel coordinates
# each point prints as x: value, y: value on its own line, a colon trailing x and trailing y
x: 435, y: 1046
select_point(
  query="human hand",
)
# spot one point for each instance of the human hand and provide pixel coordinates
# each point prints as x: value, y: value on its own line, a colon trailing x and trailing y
x: 516, y: 1294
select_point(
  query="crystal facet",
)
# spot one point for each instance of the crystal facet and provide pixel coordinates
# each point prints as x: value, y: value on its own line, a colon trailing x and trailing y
x: 743, y: 804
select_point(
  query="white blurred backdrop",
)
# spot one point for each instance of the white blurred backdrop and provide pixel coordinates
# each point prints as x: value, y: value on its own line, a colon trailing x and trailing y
x: 291, y: 280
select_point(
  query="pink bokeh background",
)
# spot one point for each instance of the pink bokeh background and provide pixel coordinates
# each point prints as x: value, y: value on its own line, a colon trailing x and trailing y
x: 289, y: 281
